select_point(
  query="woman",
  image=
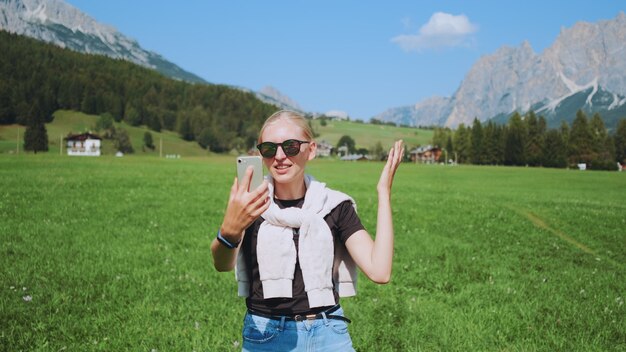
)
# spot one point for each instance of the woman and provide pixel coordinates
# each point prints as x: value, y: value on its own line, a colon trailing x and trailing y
x: 295, y: 242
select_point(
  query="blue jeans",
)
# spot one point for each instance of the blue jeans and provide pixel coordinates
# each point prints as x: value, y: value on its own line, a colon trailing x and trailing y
x: 265, y: 334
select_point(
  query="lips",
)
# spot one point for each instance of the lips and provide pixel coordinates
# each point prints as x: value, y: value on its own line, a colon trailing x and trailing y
x: 282, y: 169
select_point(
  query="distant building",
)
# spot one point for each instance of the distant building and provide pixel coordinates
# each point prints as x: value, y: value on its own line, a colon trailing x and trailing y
x: 324, y: 148
x: 84, y: 144
x: 337, y: 114
x: 343, y: 150
x: 426, y: 155
x: 355, y: 157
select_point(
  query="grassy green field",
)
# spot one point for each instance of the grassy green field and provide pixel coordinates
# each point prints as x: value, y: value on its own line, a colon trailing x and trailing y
x: 64, y: 122
x: 112, y: 254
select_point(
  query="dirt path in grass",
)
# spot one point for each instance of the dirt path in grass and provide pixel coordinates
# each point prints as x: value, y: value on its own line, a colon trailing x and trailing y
x: 540, y: 223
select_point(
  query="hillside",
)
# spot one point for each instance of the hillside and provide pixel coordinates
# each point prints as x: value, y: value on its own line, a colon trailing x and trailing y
x: 366, y: 135
x: 71, y: 121
x: 65, y: 121
x: 61, y: 24
x: 38, y: 79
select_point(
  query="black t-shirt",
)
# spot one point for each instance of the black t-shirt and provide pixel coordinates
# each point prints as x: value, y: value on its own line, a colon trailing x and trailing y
x: 343, y: 222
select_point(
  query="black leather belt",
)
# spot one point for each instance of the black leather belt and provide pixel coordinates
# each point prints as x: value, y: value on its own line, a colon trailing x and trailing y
x: 303, y: 317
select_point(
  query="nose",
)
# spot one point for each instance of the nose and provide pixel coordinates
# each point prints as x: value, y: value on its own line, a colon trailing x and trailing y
x: 280, y: 154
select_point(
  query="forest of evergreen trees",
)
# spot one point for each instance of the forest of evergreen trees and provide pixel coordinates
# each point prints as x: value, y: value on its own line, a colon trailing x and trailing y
x: 526, y: 141
x: 37, y: 79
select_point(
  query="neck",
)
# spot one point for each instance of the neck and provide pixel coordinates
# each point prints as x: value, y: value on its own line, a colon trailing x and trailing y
x: 290, y: 191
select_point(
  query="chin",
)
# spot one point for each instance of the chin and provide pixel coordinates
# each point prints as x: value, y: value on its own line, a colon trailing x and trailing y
x: 281, y: 178
x: 284, y: 178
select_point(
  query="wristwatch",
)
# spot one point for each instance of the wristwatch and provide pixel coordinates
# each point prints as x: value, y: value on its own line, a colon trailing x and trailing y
x: 226, y: 242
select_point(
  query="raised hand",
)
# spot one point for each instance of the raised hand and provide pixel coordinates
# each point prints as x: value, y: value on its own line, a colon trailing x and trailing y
x: 393, y: 161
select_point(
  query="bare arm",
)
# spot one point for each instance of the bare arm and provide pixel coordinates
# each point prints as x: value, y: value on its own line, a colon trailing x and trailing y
x: 243, y: 208
x: 374, y: 257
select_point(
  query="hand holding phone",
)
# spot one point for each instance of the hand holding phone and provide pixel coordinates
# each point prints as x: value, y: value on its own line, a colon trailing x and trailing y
x: 245, y: 205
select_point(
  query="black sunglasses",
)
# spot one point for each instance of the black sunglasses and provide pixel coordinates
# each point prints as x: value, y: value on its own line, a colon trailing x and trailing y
x: 291, y: 147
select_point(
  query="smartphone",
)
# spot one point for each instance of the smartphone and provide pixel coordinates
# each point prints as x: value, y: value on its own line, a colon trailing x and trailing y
x: 257, y: 174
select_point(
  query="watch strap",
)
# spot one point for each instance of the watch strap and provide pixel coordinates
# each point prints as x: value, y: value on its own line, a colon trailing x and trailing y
x: 226, y: 242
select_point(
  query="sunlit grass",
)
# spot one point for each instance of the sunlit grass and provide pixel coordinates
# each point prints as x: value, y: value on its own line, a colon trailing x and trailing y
x: 113, y: 254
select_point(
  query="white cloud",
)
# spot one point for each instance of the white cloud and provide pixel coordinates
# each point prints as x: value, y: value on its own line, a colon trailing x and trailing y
x: 442, y: 30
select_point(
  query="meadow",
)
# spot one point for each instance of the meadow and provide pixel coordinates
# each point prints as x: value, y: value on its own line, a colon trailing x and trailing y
x: 366, y: 135
x: 112, y: 254
x: 66, y: 121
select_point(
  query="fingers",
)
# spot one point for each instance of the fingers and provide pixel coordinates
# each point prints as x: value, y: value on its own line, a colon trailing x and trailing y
x: 261, y: 193
x: 390, y: 156
x: 263, y: 188
x: 258, y: 200
x: 398, y: 154
x: 260, y: 206
x: 393, y: 161
x: 233, y: 189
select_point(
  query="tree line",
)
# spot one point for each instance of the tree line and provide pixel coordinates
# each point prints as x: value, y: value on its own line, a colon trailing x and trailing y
x: 37, y: 79
x: 526, y: 140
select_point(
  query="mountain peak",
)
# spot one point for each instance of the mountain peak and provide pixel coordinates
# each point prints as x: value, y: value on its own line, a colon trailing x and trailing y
x: 272, y: 96
x: 586, y: 61
x: 59, y: 23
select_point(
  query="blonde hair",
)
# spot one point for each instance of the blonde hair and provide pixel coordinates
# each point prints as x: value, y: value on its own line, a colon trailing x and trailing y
x: 290, y: 116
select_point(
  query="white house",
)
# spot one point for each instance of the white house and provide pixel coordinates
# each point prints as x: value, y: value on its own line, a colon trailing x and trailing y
x: 85, y: 144
x: 324, y: 148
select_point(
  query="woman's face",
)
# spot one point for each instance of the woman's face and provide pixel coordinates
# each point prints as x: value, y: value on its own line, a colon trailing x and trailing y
x: 287, y: 169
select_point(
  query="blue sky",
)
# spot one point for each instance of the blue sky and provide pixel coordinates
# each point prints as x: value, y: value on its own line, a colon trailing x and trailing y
x: 360, y: 57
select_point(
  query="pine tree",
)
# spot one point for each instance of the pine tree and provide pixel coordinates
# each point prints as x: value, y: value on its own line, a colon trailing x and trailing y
x: 36, y: 135
x: 184, y: 128
x: 515, y: 141
x: 449, y: 146
x: 533, y: 148
x: 7, y: 115
x: 462, y: 144
x: 440, y: 136
x: 555, y: 150
x: 564, y: 131
x: 602, y: 145
x: 580, y: 140
x: 598, y: 134
x: 147, y: 140
x: 476, y: 150
x: 620, y: 141
x: 490, y: 144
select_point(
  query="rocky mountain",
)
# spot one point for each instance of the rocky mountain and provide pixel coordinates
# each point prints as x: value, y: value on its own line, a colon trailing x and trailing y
x: 59, y: 23
x: 272, y: 96
x: 585, y: 68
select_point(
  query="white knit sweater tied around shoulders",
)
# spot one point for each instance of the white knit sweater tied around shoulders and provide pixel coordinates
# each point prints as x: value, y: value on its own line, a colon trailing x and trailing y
x: 322, y: 260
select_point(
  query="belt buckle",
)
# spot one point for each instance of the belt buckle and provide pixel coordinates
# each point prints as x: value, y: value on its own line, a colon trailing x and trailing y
x: 305, y: 317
